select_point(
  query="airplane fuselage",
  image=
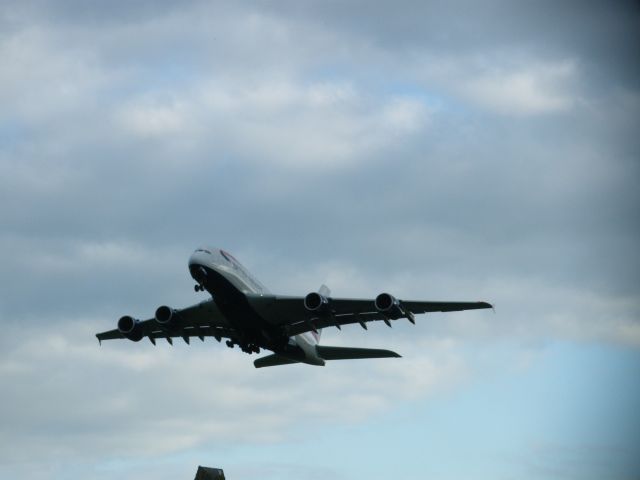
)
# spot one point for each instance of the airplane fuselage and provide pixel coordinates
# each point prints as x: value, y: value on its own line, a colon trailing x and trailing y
x: 230, y: 284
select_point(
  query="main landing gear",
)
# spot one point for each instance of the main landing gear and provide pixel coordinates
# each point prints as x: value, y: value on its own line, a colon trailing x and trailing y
x: 247, y: 348
x: 198, y: 288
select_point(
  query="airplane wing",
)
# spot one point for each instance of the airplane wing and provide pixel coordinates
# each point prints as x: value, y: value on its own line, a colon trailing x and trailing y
x: 200, y: 320
x: 291, y: 314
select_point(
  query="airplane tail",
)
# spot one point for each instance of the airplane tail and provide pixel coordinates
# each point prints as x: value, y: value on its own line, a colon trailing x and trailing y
x: 345, y: 353
x: 327, y: 353
x: 325, y: 292
x: 324, y: 352
x: 349, y: 353
x: 272, y: 360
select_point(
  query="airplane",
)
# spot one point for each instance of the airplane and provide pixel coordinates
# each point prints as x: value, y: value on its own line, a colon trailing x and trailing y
x: 244, y: 312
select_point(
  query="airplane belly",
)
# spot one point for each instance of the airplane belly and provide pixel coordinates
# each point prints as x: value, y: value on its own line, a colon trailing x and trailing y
x: 233, y: 304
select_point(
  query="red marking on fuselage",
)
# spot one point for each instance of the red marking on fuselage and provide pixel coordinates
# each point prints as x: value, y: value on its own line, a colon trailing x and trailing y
x: 230, y: 258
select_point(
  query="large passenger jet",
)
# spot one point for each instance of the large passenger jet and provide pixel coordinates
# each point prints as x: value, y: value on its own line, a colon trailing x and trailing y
x: 243, y: 311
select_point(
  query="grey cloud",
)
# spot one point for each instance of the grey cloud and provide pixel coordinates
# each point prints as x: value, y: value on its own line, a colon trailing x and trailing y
x: 598, y: 33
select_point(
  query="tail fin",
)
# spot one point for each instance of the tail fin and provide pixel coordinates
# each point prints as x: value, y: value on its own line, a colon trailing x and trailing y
x: 325, y: 292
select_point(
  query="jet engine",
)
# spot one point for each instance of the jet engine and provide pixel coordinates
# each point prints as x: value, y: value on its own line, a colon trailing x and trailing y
x: 130, y: 328
x: 165, y: 315
x: 315, y: 302
x: 389, y: 305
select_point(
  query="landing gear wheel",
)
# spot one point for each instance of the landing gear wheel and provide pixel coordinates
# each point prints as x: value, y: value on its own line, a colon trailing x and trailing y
x: 229, y: 343
x: 198, y: 288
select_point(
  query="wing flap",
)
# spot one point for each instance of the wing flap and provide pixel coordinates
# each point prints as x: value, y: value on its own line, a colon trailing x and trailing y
x: 426, y: 307
x: 153, y: 331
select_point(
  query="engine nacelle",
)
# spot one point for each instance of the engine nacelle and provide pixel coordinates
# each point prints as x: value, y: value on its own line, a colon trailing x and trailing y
x: 388, y: 304
x: 130, y: 328
x: 315, y: 302
x: 165, y: 315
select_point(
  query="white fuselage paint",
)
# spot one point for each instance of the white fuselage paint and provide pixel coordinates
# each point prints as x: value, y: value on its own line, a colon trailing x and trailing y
x: 227, y: 266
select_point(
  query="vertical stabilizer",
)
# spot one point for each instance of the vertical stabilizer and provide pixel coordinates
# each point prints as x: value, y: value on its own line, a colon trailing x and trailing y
x: 325, y: 292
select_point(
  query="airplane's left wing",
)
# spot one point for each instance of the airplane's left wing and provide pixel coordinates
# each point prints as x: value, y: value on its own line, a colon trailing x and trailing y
x: 200, y: 320
x: 297, y: 314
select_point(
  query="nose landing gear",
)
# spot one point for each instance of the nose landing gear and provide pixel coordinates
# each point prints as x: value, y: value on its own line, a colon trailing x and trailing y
x: 198, y: 288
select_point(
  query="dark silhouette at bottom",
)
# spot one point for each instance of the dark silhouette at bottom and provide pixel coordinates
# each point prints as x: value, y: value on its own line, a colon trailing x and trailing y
x: 206, y: 473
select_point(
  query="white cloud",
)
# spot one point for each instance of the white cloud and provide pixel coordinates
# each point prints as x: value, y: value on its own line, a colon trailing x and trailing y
x: 529, y: 90
x: 314, y: 126
x: 508, y: 85
x: 133, y: 399
x: 43, y: 78
x: 283, y: 122
x: 405, y: 115
x: 537, y: 309
x: 156, y: 120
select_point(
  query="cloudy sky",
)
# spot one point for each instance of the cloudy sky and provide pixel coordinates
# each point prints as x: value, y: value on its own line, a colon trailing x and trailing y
x: 436, y: 150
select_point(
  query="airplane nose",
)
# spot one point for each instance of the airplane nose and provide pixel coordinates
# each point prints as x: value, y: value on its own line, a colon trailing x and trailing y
x: 198, y: 257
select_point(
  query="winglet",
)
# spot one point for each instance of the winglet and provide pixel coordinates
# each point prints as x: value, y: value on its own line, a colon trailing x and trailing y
x: 485, y: 305
x: 99, y: 339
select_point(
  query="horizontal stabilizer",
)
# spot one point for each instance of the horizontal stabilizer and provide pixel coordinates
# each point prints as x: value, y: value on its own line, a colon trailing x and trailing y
x: 348, y: 353
x: 272, y: 361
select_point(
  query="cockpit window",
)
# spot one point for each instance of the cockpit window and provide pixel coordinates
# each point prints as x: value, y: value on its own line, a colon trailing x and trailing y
x: 203, y: 250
